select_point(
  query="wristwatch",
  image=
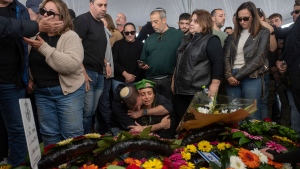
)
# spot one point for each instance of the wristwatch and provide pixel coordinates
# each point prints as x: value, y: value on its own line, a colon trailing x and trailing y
x: 145, y: 112
x: 107, y: 64
x: 272, y: 33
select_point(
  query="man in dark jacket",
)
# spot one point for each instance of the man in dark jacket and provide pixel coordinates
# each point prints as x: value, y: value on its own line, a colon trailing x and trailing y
x: 10, y: 27
x: 13, y: 79
x: 291, y: 54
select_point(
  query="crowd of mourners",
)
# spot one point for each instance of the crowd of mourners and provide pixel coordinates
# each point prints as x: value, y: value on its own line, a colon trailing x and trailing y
x: 85, y: 74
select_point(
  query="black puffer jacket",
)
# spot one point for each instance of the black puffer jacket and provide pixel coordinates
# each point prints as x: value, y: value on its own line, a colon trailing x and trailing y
x: 255, y: 54
x: 193, y: 68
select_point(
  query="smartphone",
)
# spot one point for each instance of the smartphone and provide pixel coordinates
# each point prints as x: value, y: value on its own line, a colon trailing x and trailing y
x: 141, y: 63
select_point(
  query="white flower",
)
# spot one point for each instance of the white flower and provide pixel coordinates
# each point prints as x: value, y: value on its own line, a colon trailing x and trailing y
x: 236, y: 163
x: 63, y: 166
x: 263, y: 159
x: 224, y: 110
x: 232, y: 110
x: 287, y: 166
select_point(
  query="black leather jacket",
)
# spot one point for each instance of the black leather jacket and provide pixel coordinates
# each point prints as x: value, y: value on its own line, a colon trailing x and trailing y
x: 193, y: 68
x: 255, y: 54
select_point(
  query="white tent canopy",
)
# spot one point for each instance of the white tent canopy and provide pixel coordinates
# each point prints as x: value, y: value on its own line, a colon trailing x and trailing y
x: 137, y: 11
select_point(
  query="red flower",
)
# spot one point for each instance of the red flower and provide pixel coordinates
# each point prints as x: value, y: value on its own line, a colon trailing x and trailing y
x: 79, y: 138
x: 267, y: 119
x: 48, y: 147
x: 167, y: 163
x: 165, y: 167
x: 133, y: 166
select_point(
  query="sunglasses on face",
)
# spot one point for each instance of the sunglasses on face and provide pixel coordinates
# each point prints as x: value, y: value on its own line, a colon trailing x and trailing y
x: 295, y: 11
x: 49, y: 13
x: 243, y: 19
x: 131, y: 33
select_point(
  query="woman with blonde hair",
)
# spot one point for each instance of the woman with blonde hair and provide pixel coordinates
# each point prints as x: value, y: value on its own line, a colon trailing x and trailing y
x: 57, y: 76
x: 109, y: 24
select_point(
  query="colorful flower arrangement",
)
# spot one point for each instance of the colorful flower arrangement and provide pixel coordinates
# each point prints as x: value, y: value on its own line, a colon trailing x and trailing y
x: 184, y: 158
x: 229, y: 151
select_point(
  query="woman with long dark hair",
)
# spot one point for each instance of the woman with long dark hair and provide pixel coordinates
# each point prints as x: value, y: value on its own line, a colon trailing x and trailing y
x: 246, y: 56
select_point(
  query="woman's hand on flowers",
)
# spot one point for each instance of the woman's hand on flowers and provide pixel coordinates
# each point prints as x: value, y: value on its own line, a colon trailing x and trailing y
x: 213, y: 88
x: 269, y: 155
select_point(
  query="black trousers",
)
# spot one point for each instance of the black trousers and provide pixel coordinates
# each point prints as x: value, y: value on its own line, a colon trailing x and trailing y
x: 294, y: 77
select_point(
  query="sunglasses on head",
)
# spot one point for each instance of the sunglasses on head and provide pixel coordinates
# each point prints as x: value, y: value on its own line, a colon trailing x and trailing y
x: 49, y: 13
x: 243, y: 18
x: 131, y: 33
x: 295, y: 11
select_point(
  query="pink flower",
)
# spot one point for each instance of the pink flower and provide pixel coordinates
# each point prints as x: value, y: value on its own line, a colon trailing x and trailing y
x: 214, y: 143
x: 274, y: 146
x: 176, y: 157
x: 179, y: 163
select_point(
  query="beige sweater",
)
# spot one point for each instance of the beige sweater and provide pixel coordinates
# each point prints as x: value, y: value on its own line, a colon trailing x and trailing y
x: 66, y: 60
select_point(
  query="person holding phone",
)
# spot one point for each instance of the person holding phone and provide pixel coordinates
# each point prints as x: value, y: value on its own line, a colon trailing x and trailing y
x: 126, y: 53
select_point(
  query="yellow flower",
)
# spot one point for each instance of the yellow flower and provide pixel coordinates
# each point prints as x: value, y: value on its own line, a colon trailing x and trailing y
x: 92, y: 135
x: 186, y: 155
x: 191, y: 165
x: 5, y: 166
x: 63, y: 166
x: 190, y: 148
x: 221, y: 146
x: 153, y: 164
x: 227, y: 145
x: 64, y: 142
x: 204, y: 146
x: 188, y: 166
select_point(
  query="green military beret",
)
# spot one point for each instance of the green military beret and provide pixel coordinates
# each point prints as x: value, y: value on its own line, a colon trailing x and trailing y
x: 144, y: 84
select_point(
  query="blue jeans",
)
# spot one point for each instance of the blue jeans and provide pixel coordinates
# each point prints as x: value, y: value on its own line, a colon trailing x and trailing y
x: 92, y: 98
x: 249, y: 88
x: 11, y: 115
x: 295, y: 115
x: 102, y: 122
x: 263, y: 109
x: 60, y: 115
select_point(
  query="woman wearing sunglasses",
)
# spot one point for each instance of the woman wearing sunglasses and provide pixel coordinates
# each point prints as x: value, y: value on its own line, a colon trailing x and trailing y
x: 57, y: 76
x: 126, y: 52
x: 246, y: 56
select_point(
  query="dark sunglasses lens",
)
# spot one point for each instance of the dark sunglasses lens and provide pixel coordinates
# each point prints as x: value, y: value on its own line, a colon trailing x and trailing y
x: 297, y: 11
x: 50, y: 13
x: 243, y: 19
x: 42, y: 11
x: 131, y: 33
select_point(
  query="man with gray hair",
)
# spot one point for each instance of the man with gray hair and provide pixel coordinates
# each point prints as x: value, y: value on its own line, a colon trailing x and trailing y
x: 159, y: 53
